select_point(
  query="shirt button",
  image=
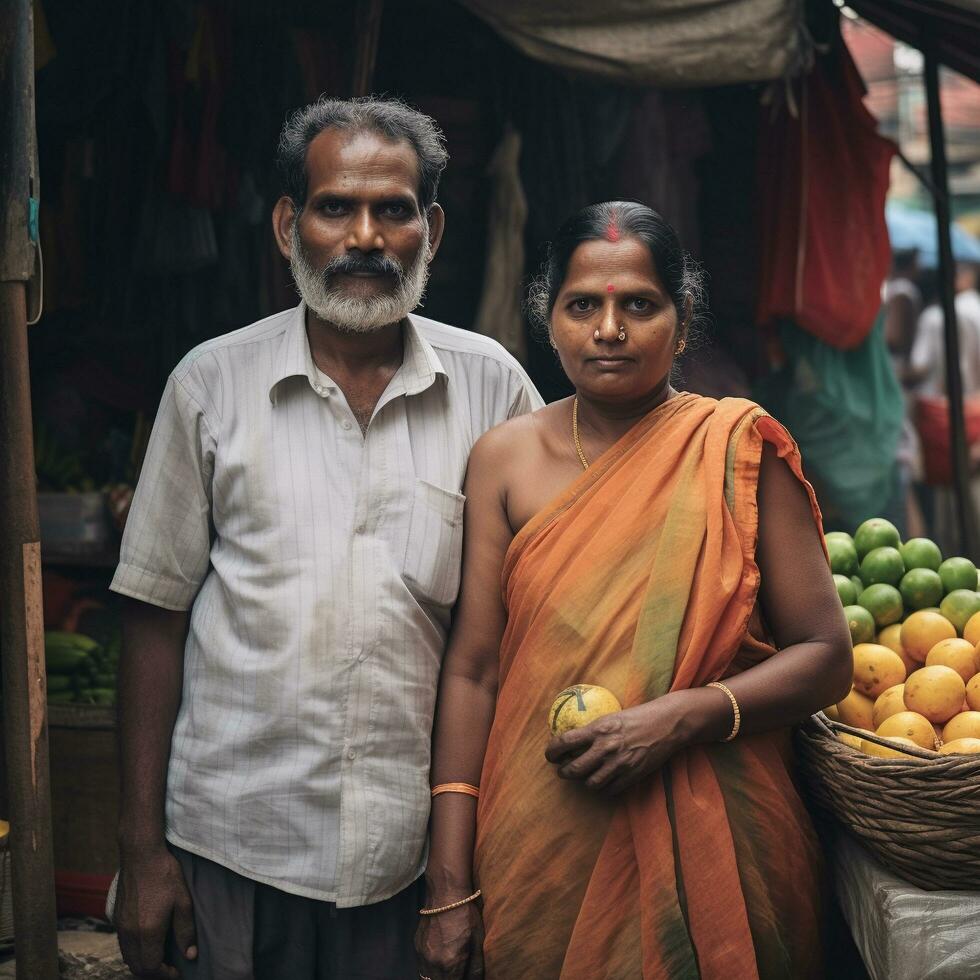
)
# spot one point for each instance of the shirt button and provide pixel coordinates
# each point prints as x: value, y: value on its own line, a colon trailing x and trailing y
x: 346, y: 423
x: 359, y: 529
x: 351, y: 754
x: 361, y: 657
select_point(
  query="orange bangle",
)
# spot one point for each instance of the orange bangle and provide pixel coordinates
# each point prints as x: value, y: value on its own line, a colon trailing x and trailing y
x: 456, y: 788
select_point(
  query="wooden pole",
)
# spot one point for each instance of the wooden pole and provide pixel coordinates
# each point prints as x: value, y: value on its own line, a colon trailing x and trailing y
x: 965, y: 516
x: 21, y: 620
x: 367, y: 32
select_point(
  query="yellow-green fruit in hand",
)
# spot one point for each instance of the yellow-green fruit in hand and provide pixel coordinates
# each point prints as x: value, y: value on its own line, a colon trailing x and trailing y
x: 580, y: 704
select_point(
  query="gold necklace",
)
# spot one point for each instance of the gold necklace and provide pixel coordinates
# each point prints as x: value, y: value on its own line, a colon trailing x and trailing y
x: 578, y: 442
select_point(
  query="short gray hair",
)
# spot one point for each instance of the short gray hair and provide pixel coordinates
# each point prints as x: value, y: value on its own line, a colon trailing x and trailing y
x: 388, y: 117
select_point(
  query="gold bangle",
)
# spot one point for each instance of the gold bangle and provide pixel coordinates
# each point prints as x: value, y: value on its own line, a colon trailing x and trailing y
x: 454, y: 905
x: 466, y: 788
x: 735, y: 708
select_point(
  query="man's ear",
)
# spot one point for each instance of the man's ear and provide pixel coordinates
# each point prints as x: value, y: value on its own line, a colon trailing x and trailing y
x: 437, y: 225
x: 283, y: 216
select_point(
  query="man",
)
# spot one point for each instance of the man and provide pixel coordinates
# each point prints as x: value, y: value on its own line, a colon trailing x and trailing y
x: 291, y: 557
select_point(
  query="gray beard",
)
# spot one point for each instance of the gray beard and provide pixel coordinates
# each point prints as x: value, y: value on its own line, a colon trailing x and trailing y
x: 354, y: 313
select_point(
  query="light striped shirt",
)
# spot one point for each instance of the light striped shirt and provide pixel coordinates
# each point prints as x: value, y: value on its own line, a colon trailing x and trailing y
x: 320, y: 565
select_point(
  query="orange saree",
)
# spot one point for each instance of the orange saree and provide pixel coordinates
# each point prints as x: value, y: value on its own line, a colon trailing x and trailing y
x: 641, y: 577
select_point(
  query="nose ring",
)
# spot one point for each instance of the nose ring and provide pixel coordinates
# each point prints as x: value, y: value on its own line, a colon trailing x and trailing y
x: 596, y: 334
x: 622, y: 335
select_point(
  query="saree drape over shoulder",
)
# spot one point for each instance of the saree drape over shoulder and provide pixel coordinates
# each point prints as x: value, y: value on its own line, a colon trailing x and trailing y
x: 641, y: 577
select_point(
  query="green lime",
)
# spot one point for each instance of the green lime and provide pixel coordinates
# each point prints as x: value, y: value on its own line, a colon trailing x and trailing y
x: 884, y: 602
x: 876, y: 533
x: 861, y: 624
x: 959, y: 605
x: 921, y: 588
x: 838, y: 536
x: 958, y: 573
x: 858, y: 586
x: 843, y: 557
x: 846, y: 590
x: 882, y: 565
x: 921, y: 553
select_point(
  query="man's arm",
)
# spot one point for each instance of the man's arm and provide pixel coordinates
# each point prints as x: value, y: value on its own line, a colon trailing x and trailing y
x: 152, y: 893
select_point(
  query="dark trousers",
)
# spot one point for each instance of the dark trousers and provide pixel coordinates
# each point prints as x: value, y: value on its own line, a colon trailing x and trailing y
x: 250, y: 931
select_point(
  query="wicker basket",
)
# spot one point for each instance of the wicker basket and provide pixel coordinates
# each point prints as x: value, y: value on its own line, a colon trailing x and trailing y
x: 920, y: 816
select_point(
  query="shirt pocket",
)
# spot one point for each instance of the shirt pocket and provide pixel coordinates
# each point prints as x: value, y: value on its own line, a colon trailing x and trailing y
x: 434, y: 544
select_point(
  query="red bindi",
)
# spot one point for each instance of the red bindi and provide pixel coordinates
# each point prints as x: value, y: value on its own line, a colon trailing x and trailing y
x: 610, y: 288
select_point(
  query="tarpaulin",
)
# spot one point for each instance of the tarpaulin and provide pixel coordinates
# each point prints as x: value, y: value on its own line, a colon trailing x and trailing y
x: 665, y: 43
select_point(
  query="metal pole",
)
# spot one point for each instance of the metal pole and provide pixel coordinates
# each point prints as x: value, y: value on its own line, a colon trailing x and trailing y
x: 21, y: 620
x: 965, y: 517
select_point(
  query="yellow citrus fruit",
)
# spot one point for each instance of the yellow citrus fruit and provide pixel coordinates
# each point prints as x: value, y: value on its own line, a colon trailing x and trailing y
x: 964, y: 725
x: 831, y: 712
x: 852, y: 740
x: 888, y: 703
x: 891, y: 637
x: 971, y: 631
x: 580, y: 704
x: 973, y: 692
x: 857, y: 710
x: 935, y: 692
x: 885, y: 751
x: 961, y: 655
x: 876, y: 668
x: 961, y: 746
x: 908, y: 724
x: 922, y: 631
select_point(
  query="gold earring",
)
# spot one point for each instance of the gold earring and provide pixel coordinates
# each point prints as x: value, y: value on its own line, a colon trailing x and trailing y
x: 680, y: 347
x: 622, y: 335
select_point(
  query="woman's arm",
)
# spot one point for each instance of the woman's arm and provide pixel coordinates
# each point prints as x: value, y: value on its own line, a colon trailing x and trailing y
x: 812, y: 669
x: 464, y: 711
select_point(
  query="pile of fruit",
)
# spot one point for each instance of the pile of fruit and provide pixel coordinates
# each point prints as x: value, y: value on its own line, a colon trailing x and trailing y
x: 80, y: 670
x: 915, y: 629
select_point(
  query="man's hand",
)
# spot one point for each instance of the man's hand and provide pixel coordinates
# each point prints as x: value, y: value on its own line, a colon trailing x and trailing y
x: 615, y: 751
x: 152, y: 898
x: 450, y: 944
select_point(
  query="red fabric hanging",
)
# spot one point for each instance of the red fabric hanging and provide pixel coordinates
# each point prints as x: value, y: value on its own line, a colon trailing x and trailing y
x: 823, y: 176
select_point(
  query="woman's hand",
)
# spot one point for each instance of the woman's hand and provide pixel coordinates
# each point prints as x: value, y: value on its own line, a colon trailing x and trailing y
x: 450, y: 944
x: 618, y: 750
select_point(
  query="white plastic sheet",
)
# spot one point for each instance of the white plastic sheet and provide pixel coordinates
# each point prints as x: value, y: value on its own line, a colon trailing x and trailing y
x: 903, y: 932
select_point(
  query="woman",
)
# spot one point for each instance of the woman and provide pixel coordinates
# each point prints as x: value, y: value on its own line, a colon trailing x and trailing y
x: 650, y: 542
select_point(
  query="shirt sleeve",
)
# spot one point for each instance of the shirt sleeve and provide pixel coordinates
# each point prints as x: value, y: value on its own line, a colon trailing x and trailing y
x: 526, y: 398
x: 166, y: 546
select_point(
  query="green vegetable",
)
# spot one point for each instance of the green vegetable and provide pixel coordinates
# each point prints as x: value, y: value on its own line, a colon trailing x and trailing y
x: 64, y: 660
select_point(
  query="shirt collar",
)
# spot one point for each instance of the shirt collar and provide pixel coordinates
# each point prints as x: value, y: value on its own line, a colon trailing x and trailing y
x: 420, y: 362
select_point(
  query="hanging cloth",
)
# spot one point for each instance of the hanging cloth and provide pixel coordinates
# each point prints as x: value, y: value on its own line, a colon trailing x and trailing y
x: 822, y: 180
x: 499, y: 315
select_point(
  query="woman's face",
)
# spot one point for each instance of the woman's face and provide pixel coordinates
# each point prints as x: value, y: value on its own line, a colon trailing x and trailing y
x: 612, y: 287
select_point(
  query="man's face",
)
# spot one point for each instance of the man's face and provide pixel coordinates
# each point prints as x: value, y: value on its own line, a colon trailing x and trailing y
x: 360, y: 247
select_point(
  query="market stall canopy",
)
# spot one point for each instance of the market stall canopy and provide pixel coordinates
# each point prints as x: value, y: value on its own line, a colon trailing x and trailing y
x: 950, y: 29
x: 911, y: 229
x: 664, y: 43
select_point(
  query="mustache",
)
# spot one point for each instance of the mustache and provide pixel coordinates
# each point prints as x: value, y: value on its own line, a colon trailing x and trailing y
x: 376, y: 265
